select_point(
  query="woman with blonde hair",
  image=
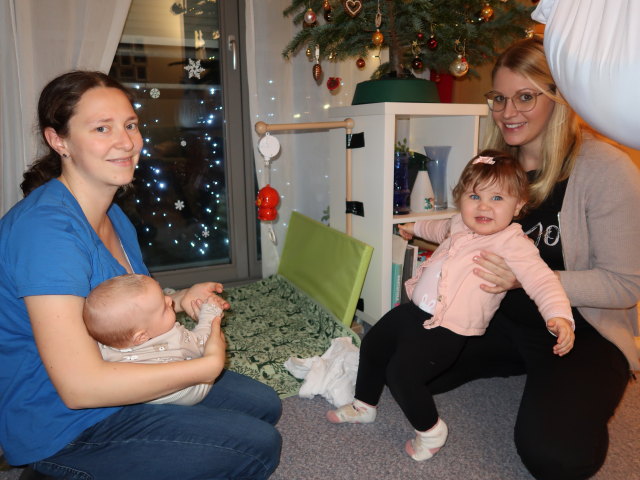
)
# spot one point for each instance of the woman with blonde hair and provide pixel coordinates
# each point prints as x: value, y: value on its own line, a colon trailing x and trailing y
x: 583, y: 218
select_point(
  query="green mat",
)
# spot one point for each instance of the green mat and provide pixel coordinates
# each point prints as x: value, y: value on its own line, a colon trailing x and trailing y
x: 326, y: 264
x: 270, y: 321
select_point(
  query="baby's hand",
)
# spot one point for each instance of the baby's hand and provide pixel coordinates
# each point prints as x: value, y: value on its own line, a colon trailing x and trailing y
x: 214, y: 306
x: 406, y: 230
x: 183, y: 299
x: 562, y: 328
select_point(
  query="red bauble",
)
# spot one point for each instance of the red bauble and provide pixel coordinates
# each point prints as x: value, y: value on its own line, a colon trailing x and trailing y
x: 333, y: 83
x: 267, y: 201
x: 310, y: 17
x: 432, y: 43
x: 360, y: 63
x: 417, y: 64
x: 328, y: 13
x: 420, y: 36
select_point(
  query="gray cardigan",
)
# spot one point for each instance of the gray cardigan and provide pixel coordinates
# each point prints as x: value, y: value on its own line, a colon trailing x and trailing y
x: 600, y: 228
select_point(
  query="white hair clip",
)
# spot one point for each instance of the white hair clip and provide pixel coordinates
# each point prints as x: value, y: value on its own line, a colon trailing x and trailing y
x: 486, y: 160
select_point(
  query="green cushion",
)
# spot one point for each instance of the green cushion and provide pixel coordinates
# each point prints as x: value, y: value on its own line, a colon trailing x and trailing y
x: 326, y: 264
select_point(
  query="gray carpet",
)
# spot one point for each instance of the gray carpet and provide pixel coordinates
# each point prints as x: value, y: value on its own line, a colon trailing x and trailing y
x: 480, y: 416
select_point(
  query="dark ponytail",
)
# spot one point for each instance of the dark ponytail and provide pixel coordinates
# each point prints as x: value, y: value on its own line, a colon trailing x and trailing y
x: 56, y: 106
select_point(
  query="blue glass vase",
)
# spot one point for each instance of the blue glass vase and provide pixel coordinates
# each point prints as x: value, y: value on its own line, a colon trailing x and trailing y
x: 401, y: 191
x: 437, y: 168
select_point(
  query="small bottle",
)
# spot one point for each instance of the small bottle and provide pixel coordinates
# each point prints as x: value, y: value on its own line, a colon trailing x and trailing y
x: 422, y: 197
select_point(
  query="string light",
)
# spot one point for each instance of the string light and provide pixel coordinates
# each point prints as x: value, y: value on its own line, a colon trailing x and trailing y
x: 180, y: 221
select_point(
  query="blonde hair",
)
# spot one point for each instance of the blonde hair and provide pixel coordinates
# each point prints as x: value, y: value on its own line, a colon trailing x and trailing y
x: 562, y: 136
x: 110, y: 311
x: 506, y: 172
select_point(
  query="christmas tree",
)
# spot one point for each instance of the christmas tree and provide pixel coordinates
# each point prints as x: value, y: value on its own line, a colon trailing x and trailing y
x: 442, y: 35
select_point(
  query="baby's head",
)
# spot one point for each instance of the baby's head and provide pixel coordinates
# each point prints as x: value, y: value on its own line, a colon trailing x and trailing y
x: 492, y: 190
x: 128, y: 310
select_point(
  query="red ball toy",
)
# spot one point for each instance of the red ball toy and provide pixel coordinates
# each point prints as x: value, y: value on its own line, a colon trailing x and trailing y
x: 267, y: 201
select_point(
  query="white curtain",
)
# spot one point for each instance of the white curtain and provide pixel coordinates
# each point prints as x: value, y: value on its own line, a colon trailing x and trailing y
x: 284, y: 91
x: 41, y: 39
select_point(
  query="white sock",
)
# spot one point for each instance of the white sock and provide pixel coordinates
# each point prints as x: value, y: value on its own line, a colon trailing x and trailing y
x: 359, y: 404
x: 427, y: 443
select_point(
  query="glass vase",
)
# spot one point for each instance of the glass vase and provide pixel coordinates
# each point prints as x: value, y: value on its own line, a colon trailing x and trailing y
x: 401, y: 190
x: 437, y: 168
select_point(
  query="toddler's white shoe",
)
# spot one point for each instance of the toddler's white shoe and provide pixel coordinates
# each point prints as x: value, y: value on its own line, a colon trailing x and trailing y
x: 354, y: 412
x: 426, y: 444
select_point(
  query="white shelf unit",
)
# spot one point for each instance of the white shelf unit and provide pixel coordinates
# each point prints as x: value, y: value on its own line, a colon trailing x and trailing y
x: 457, y: 125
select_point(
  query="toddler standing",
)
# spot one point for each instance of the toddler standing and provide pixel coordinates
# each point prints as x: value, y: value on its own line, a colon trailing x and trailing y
x: 417, y: 341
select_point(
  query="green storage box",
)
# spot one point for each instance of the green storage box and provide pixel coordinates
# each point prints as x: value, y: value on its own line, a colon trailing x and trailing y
x: 413, y: 90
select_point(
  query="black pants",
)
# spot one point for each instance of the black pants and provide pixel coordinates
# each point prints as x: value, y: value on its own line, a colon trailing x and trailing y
x: 399, y: 352
x: 561, y: 428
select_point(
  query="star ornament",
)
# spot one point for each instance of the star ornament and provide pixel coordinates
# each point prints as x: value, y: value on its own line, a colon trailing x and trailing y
x: 194, y: 68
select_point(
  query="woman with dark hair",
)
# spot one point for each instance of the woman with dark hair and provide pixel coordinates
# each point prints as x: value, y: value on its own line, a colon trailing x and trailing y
x: 64, y: 410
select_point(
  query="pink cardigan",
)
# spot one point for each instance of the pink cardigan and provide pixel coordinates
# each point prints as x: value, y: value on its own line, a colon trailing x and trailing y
x: 463, y: 307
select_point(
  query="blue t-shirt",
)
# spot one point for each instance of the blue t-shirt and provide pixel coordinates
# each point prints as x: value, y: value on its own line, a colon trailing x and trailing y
x: 47, y: 247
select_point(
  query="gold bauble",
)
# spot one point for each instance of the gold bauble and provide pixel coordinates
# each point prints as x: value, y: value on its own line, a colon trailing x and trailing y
x: 486, y: 13
x: 459, y: 67
x: 377, y: 38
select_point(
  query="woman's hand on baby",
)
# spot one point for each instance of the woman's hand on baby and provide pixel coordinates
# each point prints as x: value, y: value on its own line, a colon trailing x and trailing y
x: 216, y: 344
x: 562, y: 328
x: 495, y: 271
x: 406, y: 230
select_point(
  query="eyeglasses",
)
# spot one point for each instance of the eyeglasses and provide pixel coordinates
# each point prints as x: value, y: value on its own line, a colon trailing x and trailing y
x: 523, y: 101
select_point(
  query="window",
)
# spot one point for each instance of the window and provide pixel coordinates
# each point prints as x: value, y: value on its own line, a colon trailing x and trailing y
x: 192, y: 202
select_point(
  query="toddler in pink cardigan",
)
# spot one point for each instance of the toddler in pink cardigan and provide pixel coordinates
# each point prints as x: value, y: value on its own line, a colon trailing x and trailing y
x: 415, y: 342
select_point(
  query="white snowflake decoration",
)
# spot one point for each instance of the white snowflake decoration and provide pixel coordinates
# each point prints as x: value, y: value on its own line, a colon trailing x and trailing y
x: 205, y: 232
x: 194, y: 68
x: 179, y: 205
x: 155, y: 93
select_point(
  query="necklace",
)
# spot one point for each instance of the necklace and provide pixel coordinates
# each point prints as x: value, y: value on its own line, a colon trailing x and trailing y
x: 126, y: 257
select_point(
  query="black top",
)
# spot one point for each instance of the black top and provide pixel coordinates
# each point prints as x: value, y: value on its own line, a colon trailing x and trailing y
x: 543, y: 227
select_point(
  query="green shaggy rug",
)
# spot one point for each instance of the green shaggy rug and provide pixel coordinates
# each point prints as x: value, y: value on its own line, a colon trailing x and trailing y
x: 270, y: 321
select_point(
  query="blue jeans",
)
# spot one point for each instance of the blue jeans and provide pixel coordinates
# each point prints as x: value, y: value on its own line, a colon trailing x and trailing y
x: 229, y: 435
